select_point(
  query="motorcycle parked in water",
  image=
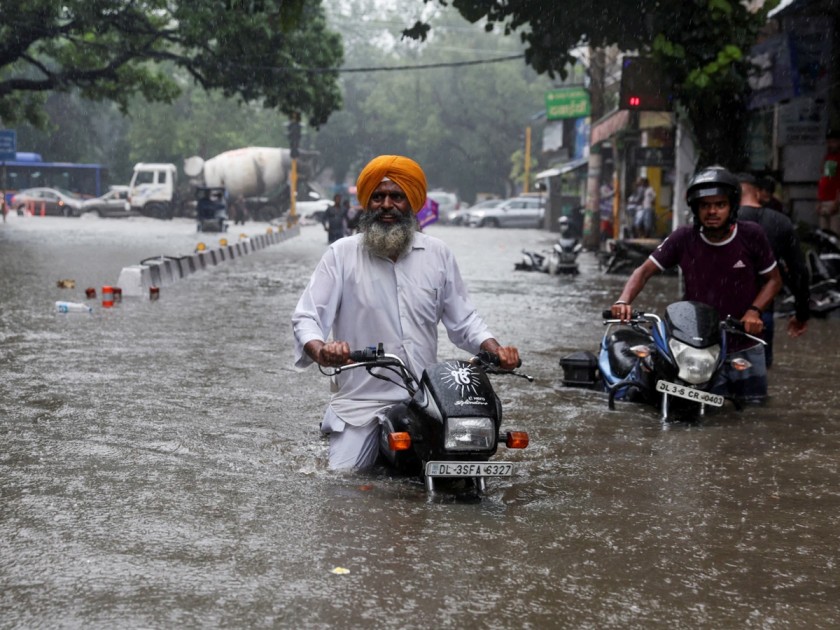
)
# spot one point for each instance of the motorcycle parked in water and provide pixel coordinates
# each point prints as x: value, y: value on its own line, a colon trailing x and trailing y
x: 448, y: 427
x: 624, y: 255
x: 823, y: 259
x: 670, y: 360
x: 561, y: 259
x: 563, y: 256
x: 532, y: 261
x: 823, y: 262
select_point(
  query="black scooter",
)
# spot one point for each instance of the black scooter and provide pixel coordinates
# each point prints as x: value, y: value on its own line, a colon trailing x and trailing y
x: 449, y: 425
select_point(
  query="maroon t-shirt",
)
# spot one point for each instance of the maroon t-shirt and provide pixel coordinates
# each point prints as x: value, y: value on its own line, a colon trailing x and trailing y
x: 723, y: 275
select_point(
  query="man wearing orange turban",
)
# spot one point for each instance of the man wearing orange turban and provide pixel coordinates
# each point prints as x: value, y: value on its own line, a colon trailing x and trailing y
x: 389, y: 284
x: 403, y: 171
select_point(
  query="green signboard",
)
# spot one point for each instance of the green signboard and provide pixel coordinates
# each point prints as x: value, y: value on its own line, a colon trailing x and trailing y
x: 567, y: 103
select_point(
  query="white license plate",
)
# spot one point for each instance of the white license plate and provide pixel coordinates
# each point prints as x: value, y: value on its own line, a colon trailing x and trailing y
x: 469, y: 469
x: 689, y: 393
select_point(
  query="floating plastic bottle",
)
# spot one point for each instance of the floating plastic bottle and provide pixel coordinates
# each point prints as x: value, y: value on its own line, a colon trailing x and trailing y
x: 72, y: 307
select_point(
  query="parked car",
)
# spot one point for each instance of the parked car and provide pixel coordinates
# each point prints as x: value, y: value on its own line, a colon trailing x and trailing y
x: 53, y: 201
x: 447, y: 203
x: 520, y: 212
x: 462, y: 216
x: 113, y: 204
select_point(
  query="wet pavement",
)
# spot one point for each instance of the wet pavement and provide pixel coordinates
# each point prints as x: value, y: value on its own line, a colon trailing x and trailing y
x: 160, y: 464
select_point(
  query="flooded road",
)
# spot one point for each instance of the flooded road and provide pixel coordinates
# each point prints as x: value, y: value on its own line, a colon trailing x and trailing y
x: 160, y: 463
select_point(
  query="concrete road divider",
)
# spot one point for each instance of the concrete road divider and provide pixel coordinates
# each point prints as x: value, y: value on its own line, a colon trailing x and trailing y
x: 157, y: 271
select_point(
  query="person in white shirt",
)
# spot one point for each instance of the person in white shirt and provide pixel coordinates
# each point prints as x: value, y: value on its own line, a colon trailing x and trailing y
x: 389, y: 283
x: 643, y: 222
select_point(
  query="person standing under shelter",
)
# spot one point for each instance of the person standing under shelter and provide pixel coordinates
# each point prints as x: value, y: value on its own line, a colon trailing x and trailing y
x: 828, y: 187
x: 646, y: 212
x: 605, y: 211
x: 335, y: 220
x: 785, y: 245
x: 721, y: 259
x: 389, y: 284
x: 634, y: 208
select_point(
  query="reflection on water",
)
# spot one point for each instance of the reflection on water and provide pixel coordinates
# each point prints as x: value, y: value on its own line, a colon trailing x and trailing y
x: 161, y: 464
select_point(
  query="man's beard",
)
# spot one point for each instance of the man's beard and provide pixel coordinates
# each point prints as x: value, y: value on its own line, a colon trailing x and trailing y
x: 389, y: 240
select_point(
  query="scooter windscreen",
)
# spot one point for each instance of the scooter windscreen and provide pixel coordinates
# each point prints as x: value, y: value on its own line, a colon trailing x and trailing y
x: 460, y: 389
x: 693, y: 323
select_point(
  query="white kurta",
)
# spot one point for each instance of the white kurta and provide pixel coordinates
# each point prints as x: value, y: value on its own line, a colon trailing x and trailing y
x: 364, y: 299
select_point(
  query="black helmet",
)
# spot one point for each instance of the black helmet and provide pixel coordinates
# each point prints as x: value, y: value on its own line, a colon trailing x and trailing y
x: 714, y: 180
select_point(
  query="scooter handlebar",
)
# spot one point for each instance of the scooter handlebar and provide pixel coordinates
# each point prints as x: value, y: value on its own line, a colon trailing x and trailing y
x: 364, y: 356
x: 606, y: 314
x: 734, y: 324
x: 490, y: 359
x: 730, y: 324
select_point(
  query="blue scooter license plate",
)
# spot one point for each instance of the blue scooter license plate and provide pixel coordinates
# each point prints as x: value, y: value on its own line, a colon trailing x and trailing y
x: 689, y: 393
x: 469, y: 469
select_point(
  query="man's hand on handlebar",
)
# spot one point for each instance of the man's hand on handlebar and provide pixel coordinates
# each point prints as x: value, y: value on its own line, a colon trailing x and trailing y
x: 622, y: 310
x: 752, y: 323
x: 508, y: 355
x: 329, y: 354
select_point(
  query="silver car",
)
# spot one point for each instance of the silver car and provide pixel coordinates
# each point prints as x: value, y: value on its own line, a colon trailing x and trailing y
x: 47, y: 201
x: 518, y: 212
x: 462, y: 217
x: 113, y: 204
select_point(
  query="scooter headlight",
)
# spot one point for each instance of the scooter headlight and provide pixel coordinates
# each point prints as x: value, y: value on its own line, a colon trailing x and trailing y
x: 469, y: 434
x: 696, y: 365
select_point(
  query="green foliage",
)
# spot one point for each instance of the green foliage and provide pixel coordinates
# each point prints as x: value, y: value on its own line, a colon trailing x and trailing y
x: 700, y: 44
x: 462, y: 124
x: 257, y: 51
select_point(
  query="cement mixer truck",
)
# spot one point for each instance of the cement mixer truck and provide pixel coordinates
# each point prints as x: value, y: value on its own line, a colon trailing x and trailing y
x: 260, y: 175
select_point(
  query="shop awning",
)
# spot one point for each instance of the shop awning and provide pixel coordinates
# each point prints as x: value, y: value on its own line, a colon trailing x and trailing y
x: 563, y: 168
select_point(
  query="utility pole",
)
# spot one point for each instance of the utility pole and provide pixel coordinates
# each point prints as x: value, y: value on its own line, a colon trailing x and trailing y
x: 591, y: 217
x: 293, y: 129
x: 527, y: 184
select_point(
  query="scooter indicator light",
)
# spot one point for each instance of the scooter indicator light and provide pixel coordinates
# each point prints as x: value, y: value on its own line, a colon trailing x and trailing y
x: 741, y: 364
x: 399, y: 441
x: 641, y: 351
x: 516, y: 439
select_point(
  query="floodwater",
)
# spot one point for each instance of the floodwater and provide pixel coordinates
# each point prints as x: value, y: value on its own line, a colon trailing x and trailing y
x: 160, y: 464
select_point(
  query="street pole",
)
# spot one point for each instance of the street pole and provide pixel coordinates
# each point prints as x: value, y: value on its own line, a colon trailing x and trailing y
x: 293, y: 177
x: 526, y: 185
x: 591, y: 215
x: 294, y: 131
x: 592, y: 208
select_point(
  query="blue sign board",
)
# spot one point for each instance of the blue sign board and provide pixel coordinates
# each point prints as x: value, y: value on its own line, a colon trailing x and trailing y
x: 8, y: 144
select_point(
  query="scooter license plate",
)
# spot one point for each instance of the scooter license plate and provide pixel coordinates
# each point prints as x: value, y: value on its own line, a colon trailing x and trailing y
x: 469, y: 469
x: 689, y: 393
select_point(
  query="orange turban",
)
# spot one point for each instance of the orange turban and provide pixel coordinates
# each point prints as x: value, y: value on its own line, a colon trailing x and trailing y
x: 403, y: 171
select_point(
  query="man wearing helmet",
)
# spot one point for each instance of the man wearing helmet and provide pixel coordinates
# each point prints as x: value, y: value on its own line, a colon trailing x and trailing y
x: 726, y: 264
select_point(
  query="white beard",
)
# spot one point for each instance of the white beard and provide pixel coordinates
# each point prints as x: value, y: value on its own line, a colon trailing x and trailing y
x: 388, y: 240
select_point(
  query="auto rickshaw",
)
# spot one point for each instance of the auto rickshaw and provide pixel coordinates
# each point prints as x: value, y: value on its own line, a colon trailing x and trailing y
x: 211, y: 209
